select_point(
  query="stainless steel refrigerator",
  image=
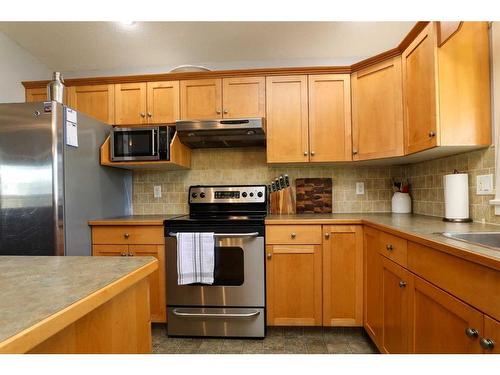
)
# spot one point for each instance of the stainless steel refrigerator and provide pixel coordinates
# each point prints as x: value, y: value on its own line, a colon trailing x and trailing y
x: 51, y: 182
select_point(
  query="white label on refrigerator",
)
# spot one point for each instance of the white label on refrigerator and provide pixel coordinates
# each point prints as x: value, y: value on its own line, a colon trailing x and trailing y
x: 71, y: 127
x: 71, y: 115
x: 71, y: 134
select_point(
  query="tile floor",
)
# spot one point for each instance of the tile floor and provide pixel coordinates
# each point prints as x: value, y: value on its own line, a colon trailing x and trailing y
x: 287, y: 340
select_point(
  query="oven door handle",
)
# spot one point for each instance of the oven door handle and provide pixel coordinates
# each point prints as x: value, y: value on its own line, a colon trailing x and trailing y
x: 251, y: 314
x: 229, y: 235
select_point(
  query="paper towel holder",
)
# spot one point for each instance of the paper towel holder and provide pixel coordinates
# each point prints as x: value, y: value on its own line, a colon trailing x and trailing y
x: 461, y: 220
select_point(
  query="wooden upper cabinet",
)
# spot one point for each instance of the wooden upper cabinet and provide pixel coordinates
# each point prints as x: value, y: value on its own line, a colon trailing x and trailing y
x: 244, y: 97
x: 293, y: 284
x: 372, y: 285
x: 343, y: 275
x: 441, y: 323
x: 97, y: 101
x: 490, y: 340
x: 201, y: 99
x: 330, y: 118
x: 419, y: 62
x: 130, y: 104
x: 163, y: 102
x: 36, y: 95
x: 396, y: 290
x: 287, y: 119
x: 377, y: 111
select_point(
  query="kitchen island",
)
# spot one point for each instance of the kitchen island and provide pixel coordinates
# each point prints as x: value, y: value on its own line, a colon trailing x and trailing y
x: 75, y: 304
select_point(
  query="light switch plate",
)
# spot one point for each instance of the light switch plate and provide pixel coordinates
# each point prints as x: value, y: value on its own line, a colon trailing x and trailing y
x: 157, y: 191
x: 360, y: 188
x: 484, y: 185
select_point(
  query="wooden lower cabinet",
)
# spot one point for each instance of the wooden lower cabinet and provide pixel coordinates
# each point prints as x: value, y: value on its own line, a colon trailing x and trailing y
x: 294, y: 290
x: 490, y: 340
x: 343, y: 275
x: 125, y: 241
x: 440, y: 323
x: 396, y: 291
x: 373, y: 308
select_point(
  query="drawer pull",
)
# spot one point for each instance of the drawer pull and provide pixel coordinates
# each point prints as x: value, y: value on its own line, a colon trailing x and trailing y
x: 126, y: 235
x: 402, y: 284
x: 389, y: 247
x: 293, y: 235
x: 487, y: 344
x: 269, y: 255
x: 123, y: 254
x: 472, y: 332
x: 327, y: 235
x: 130, y: 254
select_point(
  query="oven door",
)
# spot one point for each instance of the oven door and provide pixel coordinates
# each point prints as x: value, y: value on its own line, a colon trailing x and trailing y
x: 238, y: 277
x: 128, y: 144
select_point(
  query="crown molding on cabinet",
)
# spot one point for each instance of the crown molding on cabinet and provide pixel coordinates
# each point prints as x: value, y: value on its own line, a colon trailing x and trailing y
x: 241, y: 72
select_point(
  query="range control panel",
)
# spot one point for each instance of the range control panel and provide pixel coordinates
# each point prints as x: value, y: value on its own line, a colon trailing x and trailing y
x: 227, y: 194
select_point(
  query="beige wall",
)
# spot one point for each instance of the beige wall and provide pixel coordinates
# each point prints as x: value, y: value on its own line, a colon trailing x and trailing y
x: 248, y: 166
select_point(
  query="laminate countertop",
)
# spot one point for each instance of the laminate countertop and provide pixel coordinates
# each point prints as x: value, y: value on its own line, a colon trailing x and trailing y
x: 417, y: 228
x: 37, y: 291
x: 133, y: 220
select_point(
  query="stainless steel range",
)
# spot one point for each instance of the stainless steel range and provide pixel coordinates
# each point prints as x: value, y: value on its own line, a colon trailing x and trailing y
x: 234, y: 305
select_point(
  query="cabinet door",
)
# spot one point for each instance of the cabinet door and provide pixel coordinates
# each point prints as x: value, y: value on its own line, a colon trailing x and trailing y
x: 377, y: 111
x: 163, y: 102
x: 491, y: 336
x: 396, y: 289
x: 343, y: 275
x: 201, y: 99
x: 287, y: 119
x: 244, y: 97
x: 157, y: 284
x: 293, y: 284
x: 419, y: 91
x: 330, y: 118
x: 97, y: 101
x: 36, y: 95
x: 442, y: 324
x: 110, y: 250
x: 130, y: 103
x: 373, y: 307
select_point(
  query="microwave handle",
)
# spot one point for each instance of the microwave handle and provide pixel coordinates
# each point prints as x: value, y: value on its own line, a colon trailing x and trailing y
x: 153, y: 146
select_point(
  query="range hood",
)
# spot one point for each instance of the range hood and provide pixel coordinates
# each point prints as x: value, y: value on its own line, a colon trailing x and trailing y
x: 249, y: 132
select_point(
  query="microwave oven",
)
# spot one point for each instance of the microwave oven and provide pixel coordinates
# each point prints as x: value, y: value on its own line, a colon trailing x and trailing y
x: 141, y: 143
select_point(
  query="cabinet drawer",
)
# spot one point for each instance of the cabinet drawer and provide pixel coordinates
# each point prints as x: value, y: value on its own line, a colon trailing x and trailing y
x: 293, y: 234
x: 127, y: 234
x: 394, y: 248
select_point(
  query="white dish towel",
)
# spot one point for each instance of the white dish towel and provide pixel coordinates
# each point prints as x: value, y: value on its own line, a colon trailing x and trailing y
x: 195, y: 258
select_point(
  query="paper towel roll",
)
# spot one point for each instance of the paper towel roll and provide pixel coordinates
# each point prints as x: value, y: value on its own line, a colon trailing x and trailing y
x: 456, y: 196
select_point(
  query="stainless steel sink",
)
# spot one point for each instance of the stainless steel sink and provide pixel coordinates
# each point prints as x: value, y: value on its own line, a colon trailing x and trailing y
x: 489, y: 239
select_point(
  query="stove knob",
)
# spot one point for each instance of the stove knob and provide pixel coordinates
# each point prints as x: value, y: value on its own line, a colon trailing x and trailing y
x: 202, y: 195
x: 244, y: 194
x: 259, y: 194
x: 251, y: 194
x: 194, y: 195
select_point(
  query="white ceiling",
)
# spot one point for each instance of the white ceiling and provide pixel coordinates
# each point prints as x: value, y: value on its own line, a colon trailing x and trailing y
x: 81, y: 47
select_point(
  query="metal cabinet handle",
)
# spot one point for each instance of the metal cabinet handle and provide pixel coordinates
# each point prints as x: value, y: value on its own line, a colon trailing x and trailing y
x: 293, y: 235
x: 143, y: 114
x: 389, y: 247
x: 126, y: 235
x: 402, y: 284
x: 327, y: 235
x: 181, y: 313
x: 217, y: 111
x: 355, y: 152
x: 123, y: 254
x: 130, y: 254
x: 472, y: 332
x: 305, y: 153
x: 432, y: 134
x: 312, y: 153
x: 226, y: 112
x: 227, y: 235
x: 150, y: 114
x: 269, y: 255
x: 487, y: 344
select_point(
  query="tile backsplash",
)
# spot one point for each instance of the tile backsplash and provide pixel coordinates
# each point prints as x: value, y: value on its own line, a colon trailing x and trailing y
x: 248, y: 166
x: 426, y: 180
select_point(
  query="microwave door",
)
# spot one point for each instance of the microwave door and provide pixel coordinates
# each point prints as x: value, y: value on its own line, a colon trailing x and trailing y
x: 135, y: 144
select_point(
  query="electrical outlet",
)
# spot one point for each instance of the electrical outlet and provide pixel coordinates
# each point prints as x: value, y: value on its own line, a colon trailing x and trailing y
x: 157, y: 191
x: 484, y: 185
x: 360, y: 188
